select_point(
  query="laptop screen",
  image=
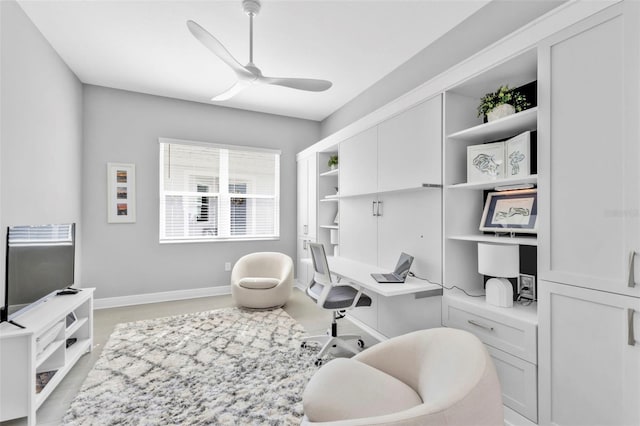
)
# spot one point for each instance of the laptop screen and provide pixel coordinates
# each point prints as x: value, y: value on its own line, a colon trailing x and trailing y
x: 403, y: 266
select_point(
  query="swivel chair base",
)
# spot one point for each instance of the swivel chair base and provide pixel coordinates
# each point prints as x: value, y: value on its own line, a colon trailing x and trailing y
x: 332, y: 340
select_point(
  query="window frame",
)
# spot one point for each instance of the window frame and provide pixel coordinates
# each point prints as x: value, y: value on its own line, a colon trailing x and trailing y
x: 222, y: 195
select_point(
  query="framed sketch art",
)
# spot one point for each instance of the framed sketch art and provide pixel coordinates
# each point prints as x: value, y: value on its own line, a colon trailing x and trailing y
x: 485, y: 162
x: 121, y: 193
x: 518, y: 156
x: 511, y: 211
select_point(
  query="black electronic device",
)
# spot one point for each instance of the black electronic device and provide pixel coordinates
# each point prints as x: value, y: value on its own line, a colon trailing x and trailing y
x: 40, y: 261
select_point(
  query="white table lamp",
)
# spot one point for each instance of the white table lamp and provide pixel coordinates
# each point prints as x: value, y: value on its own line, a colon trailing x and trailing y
x: 500, y: 261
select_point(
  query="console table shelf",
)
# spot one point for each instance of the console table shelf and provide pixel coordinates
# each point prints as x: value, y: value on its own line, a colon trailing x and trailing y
x: 47, y: 327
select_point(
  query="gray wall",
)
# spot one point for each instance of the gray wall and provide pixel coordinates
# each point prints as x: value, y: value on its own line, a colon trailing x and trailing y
x: 489, y: 24
x: 41, y: 130
x: 120, y: 126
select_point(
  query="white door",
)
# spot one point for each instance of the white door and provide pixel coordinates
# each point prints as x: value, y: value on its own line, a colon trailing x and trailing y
x: 589, y: 364
x: 304, y: 270
x: 359, y: 163
x: 588, y: 155
x: 410, y: 147
x: 359, y: 228
x: 312, y: 197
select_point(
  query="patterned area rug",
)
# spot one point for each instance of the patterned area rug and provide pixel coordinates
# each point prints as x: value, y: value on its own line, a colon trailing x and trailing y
x: 229, y: 366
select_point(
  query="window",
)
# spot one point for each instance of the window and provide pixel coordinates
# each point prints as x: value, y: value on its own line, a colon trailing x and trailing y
x: 212, y: 192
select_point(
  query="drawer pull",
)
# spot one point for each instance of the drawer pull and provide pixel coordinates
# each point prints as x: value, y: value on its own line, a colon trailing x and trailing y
x: 632, y: 279
x: 477, y: 324
x: 632, y: 338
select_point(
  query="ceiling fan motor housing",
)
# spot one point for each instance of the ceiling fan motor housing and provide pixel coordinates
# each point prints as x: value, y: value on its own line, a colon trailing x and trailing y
x: 251, y: 7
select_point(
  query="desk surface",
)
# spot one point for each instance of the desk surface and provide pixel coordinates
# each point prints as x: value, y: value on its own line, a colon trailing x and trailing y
x: 360, y: 273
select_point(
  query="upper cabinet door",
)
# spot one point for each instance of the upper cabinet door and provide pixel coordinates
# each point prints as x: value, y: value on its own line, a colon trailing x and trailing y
x: 410, y: 147
x: 303, y: 195
x: 359, y: 163
x: 588, y: 152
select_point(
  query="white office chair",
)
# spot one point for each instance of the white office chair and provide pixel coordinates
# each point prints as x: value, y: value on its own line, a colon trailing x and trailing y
x: 337, y: 297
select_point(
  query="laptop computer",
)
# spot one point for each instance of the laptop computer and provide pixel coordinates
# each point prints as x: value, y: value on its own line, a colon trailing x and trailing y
x: 399, y: 274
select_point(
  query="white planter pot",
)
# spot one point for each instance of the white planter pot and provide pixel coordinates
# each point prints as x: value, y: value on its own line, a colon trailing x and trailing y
x: 500, y: 111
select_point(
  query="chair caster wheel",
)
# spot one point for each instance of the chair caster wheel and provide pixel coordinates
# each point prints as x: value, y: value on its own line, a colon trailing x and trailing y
x: 303, y: 345
x: 318, y: 362
x: 361, y: 343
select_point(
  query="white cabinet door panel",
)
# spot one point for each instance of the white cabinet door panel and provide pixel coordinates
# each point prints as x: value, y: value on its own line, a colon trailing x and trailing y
x: 589, y: 373
x: 359, y: 229
x: 411, y: 222
x: 410, y: 147
x: 359, y: 163
x: 303, y: 194
x: 589, y: 200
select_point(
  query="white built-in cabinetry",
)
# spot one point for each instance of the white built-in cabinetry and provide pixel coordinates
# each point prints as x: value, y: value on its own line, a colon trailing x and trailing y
x: 589, y: 299
x: 307, y: 214
x: 56, y: 333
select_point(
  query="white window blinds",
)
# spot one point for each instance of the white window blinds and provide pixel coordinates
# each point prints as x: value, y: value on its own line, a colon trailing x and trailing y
x: 218, y: 192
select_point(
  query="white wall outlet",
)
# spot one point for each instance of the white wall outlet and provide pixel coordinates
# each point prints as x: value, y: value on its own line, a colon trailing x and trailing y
x: 227, y: 266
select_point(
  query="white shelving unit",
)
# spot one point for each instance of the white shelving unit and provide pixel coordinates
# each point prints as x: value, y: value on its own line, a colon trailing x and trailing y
x: 56, y: 333
x: 328, y: 195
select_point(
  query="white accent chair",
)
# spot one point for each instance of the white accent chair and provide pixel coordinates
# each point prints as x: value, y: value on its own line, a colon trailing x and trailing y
x: 440, y: 376
x: 262, y: 280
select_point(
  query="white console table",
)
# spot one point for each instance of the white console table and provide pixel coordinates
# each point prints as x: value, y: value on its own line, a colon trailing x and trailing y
x: 28, y: 355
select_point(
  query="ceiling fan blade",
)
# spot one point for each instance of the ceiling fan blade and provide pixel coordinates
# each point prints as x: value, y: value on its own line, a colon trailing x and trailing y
x: 240, y: 85
x: 212, y: 43
x: 308, y: 84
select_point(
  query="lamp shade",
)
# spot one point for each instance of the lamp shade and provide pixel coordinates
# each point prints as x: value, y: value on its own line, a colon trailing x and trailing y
x: 499, y: 260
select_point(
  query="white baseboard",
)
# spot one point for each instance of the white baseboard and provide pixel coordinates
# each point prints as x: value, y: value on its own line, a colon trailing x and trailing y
x: 166, y: 296
x: 300, y: 286
x: 511, y: 418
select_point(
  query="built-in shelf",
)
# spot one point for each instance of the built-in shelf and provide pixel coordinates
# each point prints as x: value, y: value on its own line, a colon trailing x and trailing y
x: 330, y: 198
x: 422, y: 186
x: 501, y: 128
x: 330, y: 226
x: 333, y: 172
x: 533, y: 179
x: 488, y: 238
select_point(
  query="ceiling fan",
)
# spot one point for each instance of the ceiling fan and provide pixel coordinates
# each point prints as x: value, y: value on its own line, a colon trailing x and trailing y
x: 250, y: 74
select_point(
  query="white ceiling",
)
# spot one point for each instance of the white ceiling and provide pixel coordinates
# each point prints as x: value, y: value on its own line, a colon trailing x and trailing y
x: 144, y: 46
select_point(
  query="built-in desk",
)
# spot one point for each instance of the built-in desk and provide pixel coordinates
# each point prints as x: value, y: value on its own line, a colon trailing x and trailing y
x: 396, y: 308
x: 360, y: 273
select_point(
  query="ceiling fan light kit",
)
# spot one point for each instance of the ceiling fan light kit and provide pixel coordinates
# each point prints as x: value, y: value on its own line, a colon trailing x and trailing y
x: 250, y: 74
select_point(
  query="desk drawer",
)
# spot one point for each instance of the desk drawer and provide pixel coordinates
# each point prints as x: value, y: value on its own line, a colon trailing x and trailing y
x: 508, y: 334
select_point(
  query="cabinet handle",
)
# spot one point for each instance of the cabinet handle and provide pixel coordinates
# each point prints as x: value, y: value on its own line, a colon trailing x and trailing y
x: 477, y: 324
x: 632, y: 337
x: 305, y: 229
x: 373, y: 208
x: 304, y: 244
x: 632, y: 278
x: 378, y: 211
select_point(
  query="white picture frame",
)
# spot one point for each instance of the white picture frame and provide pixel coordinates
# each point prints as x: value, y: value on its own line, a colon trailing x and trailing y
x: 121, y: 193
x: 518, y: 156
x: 485, y: 162
x: 511, y: 211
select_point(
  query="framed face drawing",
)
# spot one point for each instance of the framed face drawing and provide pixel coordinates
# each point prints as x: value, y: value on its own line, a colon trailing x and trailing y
x: 485, y: 162
x: 518, y: 156
x: 511, y: 211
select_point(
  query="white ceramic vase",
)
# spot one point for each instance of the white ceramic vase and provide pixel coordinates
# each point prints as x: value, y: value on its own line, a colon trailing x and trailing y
x: 500, y: 111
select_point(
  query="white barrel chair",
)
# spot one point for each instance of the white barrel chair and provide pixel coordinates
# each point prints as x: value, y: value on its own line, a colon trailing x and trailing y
x: 440, y: 376
x: 262, y: 280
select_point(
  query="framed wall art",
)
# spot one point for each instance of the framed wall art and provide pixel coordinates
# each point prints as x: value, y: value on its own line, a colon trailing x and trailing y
x: 518, y: 156
x: 485, y: 162
x: 511, y: 211
x: 121, y: 193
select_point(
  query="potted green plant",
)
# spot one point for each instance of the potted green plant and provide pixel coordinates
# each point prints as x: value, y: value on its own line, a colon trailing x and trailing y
x: 502, y: 102
x: 333, y: 161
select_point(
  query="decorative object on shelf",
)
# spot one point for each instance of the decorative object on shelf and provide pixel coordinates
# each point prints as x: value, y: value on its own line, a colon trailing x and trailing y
x: 500, y: 261
x: 511, y: 211
x: 518, y: 155
x: 527, y: 287
x: 333, y: 161
x: 334, y: 236
x: 336, y: 220
x: 121, y: 190
x: 501, y: 103
x: 70, y: 319
x: 485, y: 162
x: 42, y: 379
x: 337, y: 190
